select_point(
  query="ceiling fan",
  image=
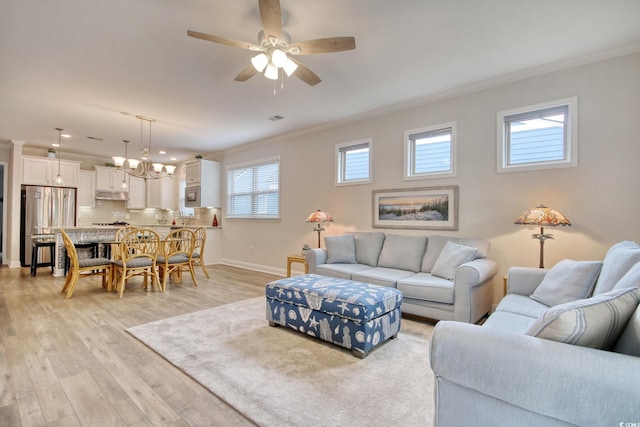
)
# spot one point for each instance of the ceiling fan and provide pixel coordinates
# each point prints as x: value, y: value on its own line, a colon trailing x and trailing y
x: 276, y: 48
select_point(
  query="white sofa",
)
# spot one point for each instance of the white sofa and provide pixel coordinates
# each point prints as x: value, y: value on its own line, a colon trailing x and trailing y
x: 537, y: 363
x: 441, y: 278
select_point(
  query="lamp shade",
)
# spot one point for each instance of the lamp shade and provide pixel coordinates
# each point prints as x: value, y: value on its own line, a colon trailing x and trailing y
x: 542, y: 216
x: 320, y: 216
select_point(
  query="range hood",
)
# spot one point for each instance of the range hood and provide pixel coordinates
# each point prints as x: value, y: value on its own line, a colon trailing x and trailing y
x: 112, y: 195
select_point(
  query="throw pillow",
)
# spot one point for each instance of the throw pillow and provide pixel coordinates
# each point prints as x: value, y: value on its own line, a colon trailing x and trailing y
x: 368, y: 247
x: 618, y: 260
x: 452, y: 256
x: 402, y: 252
x: 595, y: 322
x: 567, y: 281
x: 631, y: 279
x: 340, y: 249
x: 436, y: 244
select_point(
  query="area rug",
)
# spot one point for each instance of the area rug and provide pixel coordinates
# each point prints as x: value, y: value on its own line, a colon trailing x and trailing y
x: 279, y: 377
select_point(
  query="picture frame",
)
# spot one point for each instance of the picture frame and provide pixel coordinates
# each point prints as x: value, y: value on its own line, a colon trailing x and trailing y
x: 428, y: 208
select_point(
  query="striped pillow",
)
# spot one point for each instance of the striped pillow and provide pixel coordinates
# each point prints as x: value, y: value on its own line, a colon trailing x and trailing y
x: 595, y: 322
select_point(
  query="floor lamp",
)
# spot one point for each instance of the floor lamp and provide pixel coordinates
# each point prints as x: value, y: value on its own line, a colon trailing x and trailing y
x: 544, y: 217
x: 319, y: 217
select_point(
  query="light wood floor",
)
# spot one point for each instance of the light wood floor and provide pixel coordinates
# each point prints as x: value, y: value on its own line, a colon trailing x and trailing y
x: 71, y: 363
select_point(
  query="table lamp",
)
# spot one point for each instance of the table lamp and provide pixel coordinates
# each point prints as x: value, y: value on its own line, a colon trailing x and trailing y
x: 319, y: 217
x: 544, y: 217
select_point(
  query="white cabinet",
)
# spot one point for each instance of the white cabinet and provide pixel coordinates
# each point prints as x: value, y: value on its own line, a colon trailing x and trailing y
x: 192, y: 172
x: 109, y: 179
x: 44, y: 170
x: 87, y: 189
x: 137, y: 193
x: 203, y: 180
x: 161, y: 193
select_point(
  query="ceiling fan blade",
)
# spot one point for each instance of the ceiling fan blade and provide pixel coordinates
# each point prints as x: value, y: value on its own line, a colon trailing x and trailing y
x: 328, y: 45
x: 271, y: 17
x: 222, y: 40
x: 305, y: 74
x: 246, y: 74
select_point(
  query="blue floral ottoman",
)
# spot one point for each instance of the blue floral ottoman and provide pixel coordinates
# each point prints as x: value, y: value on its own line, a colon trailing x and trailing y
x: 355, y: 315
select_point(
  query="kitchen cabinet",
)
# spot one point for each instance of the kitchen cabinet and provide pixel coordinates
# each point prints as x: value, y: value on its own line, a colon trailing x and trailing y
x: 87, y: 189
x: 109, y: 179
x: 137, y: 193
x: 199, y: 171
x: 203, y: 183
x: 44, y: 170
x: 161, y: 193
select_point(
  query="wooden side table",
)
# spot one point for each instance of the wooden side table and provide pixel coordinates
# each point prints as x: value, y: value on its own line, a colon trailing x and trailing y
x: 297, y: 258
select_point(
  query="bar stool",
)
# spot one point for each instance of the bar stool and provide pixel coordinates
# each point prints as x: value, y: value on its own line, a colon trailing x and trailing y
x: 37, y: 244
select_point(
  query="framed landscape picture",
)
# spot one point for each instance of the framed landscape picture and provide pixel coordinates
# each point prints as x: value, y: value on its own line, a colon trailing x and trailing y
x: 430, y: 208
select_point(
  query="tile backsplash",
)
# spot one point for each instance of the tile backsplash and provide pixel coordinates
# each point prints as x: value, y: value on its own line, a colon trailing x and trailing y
x: 107, y: 211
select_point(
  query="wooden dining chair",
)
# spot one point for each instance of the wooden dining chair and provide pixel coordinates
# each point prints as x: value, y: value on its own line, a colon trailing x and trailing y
x: 176, y: 255
x: 121, y: 232
x: 197, y: 257
x: 136, y: 256
x: 84, y: 267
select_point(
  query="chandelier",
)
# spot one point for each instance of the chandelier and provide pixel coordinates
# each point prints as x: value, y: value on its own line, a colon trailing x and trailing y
x: 143, y: 168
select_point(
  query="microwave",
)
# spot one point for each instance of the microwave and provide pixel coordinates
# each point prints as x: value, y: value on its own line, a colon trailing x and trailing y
x: 192, y: 196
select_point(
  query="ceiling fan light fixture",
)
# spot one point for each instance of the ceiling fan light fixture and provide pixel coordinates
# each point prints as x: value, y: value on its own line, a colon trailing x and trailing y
x: 271, y: 72
x: 260, y: 62
x: 278, y: 58
x: 290, y: 67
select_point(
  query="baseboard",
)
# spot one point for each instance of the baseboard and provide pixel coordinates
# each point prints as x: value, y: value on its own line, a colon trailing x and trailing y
x: 254, y: 267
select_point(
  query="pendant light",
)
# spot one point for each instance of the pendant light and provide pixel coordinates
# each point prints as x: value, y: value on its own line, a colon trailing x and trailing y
x: 59, y: 180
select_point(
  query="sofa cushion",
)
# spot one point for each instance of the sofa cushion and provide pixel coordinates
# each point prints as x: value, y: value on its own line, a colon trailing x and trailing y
x: 368, y: 247
x: 452, y: 256
x: 437, y: 243
x: 343, y: 271
x: 340, y: 249
x: 521, y: 305
x: 595, y: 322
x: 509, y: 322
x: 617, y: 261
x: 629, y: 341
x: 402, y: 252
x: 567, y: 281
x: 424, y: 286
x: 381, y: 276
x: 631, y: 279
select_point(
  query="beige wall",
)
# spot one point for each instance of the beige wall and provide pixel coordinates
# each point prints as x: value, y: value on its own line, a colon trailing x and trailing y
x: 600, y: 196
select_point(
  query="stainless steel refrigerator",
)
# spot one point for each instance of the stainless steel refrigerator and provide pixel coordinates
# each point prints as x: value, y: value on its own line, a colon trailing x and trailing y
x: 41, y: 210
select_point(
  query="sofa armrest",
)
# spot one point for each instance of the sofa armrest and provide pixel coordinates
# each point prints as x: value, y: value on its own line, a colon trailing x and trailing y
x: 472, y: 289
x: 524, y: 280
x: 315, y: 257
x: 578, y: 385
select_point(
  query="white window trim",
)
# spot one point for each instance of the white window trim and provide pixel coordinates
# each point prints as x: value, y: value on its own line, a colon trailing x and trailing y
x: 338, y: 163
x: 408, y: 153
x: 571, y: 131
x: 250, y: 164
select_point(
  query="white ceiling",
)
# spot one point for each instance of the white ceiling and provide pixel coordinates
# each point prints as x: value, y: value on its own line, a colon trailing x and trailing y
x: 79, y: 64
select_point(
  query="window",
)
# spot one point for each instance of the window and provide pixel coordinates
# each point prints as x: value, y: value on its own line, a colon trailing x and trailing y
x: 430, y: 152
x: 538, y: 137
x: 253, y: 190
x: 353, y: 162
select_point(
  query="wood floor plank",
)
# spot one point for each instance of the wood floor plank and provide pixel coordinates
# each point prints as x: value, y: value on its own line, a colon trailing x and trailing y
x: 70, y: 362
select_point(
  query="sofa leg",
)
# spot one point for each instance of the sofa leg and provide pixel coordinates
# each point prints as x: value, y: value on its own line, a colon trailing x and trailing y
x: 272, y: 323
x: 359, y: 353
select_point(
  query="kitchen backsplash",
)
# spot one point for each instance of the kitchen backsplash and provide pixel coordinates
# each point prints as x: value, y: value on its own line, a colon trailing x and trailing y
x: 107, y: 211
